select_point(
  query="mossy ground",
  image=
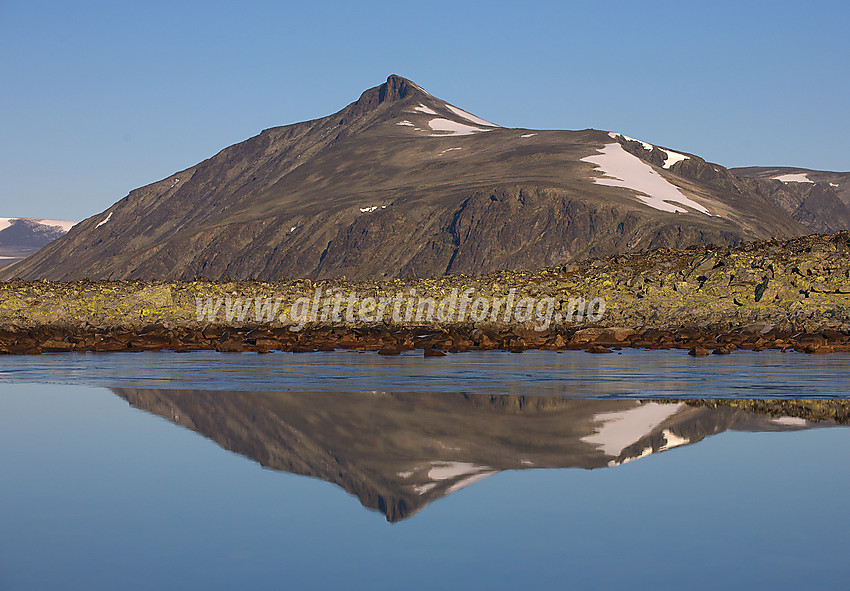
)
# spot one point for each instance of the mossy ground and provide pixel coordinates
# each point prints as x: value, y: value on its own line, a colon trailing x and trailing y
x: 800, y: 284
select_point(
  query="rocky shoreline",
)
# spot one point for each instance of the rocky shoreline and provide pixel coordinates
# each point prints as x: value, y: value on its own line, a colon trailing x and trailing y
x: 389, y: 340
x: 784, y: 295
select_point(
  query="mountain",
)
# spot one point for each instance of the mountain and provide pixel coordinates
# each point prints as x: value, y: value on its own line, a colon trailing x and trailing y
x: 20, y: 237
x: 398, y: 452
x: 401, y: 183
x: 817, y: 198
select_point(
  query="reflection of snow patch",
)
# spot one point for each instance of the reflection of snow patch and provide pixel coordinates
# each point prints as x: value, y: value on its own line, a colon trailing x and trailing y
x: 453, y: 127
x: 792, y: 178
x: 647, y: 451
x: 790, y: 421
x: 621, y: 429
x: 446, y: 470
x: 469, y: 480
x: 423, y: 109
x: 467, y: 472
x: 109, y: 217
x: 470, y: 116
x: 627, y: 171
x: 673, y: 440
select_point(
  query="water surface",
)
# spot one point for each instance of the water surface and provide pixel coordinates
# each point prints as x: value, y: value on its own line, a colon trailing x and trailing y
x: 630, y: 372
x: 479, y: 470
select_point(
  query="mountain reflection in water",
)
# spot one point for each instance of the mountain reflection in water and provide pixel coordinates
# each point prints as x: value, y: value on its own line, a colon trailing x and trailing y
x: 398, y: 452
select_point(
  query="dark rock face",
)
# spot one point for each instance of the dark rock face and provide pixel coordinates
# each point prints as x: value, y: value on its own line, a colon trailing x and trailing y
x: 400, y: 183
x: 821, y: 201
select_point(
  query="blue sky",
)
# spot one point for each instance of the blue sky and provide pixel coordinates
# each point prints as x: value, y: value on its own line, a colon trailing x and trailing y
x: 98, y: 98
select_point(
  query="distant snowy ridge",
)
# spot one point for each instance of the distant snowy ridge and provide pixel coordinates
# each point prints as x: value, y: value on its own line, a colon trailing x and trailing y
x: 64, y: 224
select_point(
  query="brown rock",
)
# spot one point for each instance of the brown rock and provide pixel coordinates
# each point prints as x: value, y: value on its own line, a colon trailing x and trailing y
x: 230, y: 347
x: 54, y: 346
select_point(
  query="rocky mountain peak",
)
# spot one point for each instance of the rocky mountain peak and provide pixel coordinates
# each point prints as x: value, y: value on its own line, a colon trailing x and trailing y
x: 396, y: 88
x: 393, y: 90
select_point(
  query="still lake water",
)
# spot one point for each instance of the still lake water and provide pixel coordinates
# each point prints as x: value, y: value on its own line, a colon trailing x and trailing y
x: 473, y: 471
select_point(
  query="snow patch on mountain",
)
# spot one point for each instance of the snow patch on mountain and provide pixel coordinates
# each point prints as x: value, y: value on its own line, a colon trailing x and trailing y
x: 528, y: 135
x: 453, y: 127
x: 793, y: 178
x: 645, y: 145
x: 423, y: 109
x: 622, y: 169
x: 371, y: 208
x: 469, y: 116
x: 448, y: 150
x: 833, y: 185
x: 405, y: 122
x: 109, y: 217
x: 672, y: 158
x: 619, y: 430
